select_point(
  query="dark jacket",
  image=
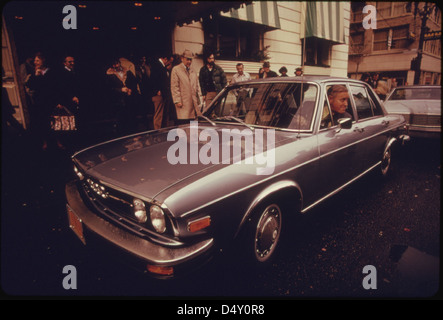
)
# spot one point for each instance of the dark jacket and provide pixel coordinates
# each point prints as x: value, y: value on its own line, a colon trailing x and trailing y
x: 43, y: 90
x: 159, y: 80
x: 68, y: 87
x: 116, y: 97
x: 270, y: 74
x: 216, y: 82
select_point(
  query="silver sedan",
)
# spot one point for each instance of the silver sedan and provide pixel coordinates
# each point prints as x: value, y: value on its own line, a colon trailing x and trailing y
x: 230, y: 180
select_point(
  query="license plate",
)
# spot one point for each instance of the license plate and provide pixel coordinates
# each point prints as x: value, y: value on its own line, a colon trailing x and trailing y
x: 75, y: 223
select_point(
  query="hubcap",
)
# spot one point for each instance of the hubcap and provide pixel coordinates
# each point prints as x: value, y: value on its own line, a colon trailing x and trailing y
x: 267, y: 232
x: 386, y: 161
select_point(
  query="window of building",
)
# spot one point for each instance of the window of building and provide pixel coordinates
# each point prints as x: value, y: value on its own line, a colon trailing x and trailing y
x: 357, y: 43
x: 433, y: 47
x: 317, y: 52
x: 400, y: 37
x: 381, y: 39
x: 384, y: 9
x: 391, y: 9
x: 395, y: 38
x: 234, y: 39
x: 436, y: 15
x: 398, y: 8
x: 357, y: 11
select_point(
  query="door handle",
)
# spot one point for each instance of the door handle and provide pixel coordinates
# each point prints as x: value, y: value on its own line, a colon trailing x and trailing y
x: 385, y: 122
x: 357, y: 129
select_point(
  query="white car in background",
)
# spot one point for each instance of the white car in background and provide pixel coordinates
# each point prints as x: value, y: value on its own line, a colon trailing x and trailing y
x: 421, y: 107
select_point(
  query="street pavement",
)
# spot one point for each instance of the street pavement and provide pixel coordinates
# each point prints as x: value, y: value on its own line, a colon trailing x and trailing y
x: 392, y: 225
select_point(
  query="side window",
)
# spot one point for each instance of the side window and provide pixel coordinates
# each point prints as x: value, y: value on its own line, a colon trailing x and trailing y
x: 365, y: 105
x: 376, y: 108
x: 362, y: 102
x: 339, y: 101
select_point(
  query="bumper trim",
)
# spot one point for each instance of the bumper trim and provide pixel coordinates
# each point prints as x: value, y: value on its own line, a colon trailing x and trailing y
x: 150, y: 252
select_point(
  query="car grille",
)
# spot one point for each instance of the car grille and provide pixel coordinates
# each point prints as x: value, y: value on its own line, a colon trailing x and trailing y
x: 425, y: 120
x: 116, y: 207
x: 109, y: 198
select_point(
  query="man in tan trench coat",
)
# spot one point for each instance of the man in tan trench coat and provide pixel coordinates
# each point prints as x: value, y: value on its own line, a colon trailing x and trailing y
x: 185, y: 89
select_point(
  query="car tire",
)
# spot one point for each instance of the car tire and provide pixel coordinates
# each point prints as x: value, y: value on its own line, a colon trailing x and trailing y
x: 385, y: 165
x: 263, y: 234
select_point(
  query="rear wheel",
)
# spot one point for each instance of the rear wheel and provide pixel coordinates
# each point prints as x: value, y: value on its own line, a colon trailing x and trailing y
x: 386, y: 162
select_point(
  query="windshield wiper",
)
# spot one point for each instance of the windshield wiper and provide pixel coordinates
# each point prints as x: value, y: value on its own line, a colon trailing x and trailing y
x: 207, y: 119
x: 236, y: 119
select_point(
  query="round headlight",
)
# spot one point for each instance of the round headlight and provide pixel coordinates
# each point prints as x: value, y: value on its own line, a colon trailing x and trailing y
x: 140, y: 210
x: 158, y: 219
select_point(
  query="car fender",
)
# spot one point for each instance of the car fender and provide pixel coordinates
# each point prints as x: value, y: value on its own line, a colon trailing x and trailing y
x: 266, y: 193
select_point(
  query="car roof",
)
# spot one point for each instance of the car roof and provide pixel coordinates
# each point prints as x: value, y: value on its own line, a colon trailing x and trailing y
x: 419, y: 86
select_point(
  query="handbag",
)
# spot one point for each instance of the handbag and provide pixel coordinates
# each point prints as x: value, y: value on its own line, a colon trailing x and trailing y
x: 63, y: 121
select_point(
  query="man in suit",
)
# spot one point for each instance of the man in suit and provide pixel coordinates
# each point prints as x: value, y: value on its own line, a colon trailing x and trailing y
x: 161, y: 90
x: 122, y: 88
x: 185, y: 89
x: 68, y: 96
x: 69, y: 85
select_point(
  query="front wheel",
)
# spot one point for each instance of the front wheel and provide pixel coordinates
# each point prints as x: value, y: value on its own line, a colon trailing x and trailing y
x: 264, y: 234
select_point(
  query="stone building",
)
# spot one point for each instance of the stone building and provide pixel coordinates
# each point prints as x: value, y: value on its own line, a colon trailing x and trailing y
x: 392, y: 47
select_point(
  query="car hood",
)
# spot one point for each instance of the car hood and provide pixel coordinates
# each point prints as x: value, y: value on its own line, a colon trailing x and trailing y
x: 413, y: 106
x: 140, y: 164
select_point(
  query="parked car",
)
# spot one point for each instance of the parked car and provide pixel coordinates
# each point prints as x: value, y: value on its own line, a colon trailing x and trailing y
x: 421, y: 107
x: 263, y: 151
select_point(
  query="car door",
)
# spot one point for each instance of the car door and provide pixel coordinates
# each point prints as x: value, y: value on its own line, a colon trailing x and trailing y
x: 337, y: 148
x: 369, y: 126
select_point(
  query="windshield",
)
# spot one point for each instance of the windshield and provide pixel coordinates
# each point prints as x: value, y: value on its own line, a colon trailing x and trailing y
x: 267, y: 104
x: 416, y: 94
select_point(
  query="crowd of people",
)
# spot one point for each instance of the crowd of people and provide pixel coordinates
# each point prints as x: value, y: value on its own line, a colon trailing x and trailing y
x: 165, y: 91
x: 128, y: 90
x: 380, y: 86
x: 49, y: 92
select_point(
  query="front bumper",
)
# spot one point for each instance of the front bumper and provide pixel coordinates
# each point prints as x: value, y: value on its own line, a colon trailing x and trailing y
x: 177, y: 258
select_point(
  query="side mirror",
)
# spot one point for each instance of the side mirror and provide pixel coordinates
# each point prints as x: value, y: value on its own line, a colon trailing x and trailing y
x: 345, y: 123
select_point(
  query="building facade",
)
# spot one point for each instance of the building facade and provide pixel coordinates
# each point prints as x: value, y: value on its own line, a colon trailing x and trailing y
x: 313, y: 35
x: 275, y: 31
x: 392, y: 47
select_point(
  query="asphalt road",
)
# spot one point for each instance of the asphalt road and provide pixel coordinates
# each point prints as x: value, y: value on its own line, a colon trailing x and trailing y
x: 391, y: 225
